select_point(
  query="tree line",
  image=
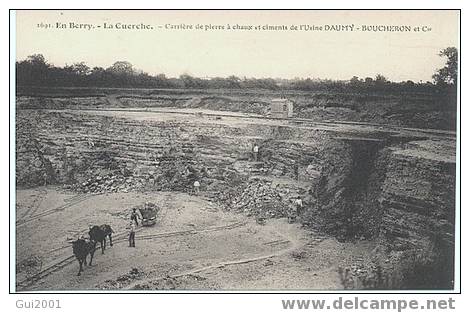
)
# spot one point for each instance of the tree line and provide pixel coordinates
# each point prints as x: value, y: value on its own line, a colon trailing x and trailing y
x: 35, y: 70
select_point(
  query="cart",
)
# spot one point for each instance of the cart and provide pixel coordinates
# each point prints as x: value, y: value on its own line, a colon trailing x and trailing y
x: 149, y: 213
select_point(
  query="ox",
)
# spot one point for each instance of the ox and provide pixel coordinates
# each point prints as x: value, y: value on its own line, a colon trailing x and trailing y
x: 99, y: 233
x: 81, y: 249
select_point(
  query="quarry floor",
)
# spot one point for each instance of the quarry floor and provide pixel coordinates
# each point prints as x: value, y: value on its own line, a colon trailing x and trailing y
x: 194, y: 245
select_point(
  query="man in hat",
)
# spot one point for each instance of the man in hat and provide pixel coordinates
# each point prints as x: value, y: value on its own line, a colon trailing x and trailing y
x: 135, y: 216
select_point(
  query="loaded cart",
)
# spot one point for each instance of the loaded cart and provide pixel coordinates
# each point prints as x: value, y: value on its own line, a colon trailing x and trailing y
x: 149, y: 213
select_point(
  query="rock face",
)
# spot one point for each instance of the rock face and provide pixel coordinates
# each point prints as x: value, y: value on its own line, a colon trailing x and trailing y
x: 410, y: 207
x: 418, y: 198
x: 33, y: 166
x: 353, y: 182
x: 423, y: 109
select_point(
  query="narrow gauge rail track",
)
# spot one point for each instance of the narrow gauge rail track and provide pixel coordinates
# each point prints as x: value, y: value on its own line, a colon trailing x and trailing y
x: 29, y: 281
x: 34, y: 217
x: 35, y: 205
x: 117, y: 236
x: 78, y: 197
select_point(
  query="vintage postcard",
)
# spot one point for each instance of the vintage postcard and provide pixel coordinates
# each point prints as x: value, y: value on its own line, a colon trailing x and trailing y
x: 235, y: 151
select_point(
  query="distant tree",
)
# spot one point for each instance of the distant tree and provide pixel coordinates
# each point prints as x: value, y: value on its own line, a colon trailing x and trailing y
x: 80, y: 69
x: 369, y: 80
x: 305, y: 84
x: 380, y: 79
x: 355, y: 82
x: 188, y: 81
x: 233, y: 81
x: 161, y: 77
x: 97, y: 70
x: 121, y: 67
x: 409, y: 85
x: 98, y: 76
x: 37, y: 60
x: 33, y: 71
x: 161, y: 81
x: 447, y: 74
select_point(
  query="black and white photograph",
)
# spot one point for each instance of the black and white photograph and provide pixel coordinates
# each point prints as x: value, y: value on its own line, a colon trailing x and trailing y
x: 235, y: 151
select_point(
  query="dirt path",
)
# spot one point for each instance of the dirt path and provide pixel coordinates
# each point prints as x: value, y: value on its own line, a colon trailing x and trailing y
x: 194, y: 245
x: 295, y: 244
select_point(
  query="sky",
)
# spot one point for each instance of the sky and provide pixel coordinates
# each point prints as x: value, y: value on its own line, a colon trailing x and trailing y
x: 325, y: 54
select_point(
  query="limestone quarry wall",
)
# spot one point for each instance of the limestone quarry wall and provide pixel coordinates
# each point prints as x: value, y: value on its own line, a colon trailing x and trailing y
x: 423, y: 110
x: 351, y: 186
x: 418, y: 198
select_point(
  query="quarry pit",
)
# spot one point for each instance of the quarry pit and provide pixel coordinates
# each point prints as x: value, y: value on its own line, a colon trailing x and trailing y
x: 372, y: 194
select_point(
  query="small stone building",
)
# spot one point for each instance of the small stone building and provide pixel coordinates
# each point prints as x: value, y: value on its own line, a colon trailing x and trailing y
x: 282, y: 108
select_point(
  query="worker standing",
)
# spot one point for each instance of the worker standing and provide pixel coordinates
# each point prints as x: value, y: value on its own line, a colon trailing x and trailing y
x: 135, y: 216
x: 255, y: 152
x: 196, y: 186
x: 132, y: 234
x: 299, y: 206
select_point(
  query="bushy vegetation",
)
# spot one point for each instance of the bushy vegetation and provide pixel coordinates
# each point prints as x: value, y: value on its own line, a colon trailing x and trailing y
x: 37, y: 71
